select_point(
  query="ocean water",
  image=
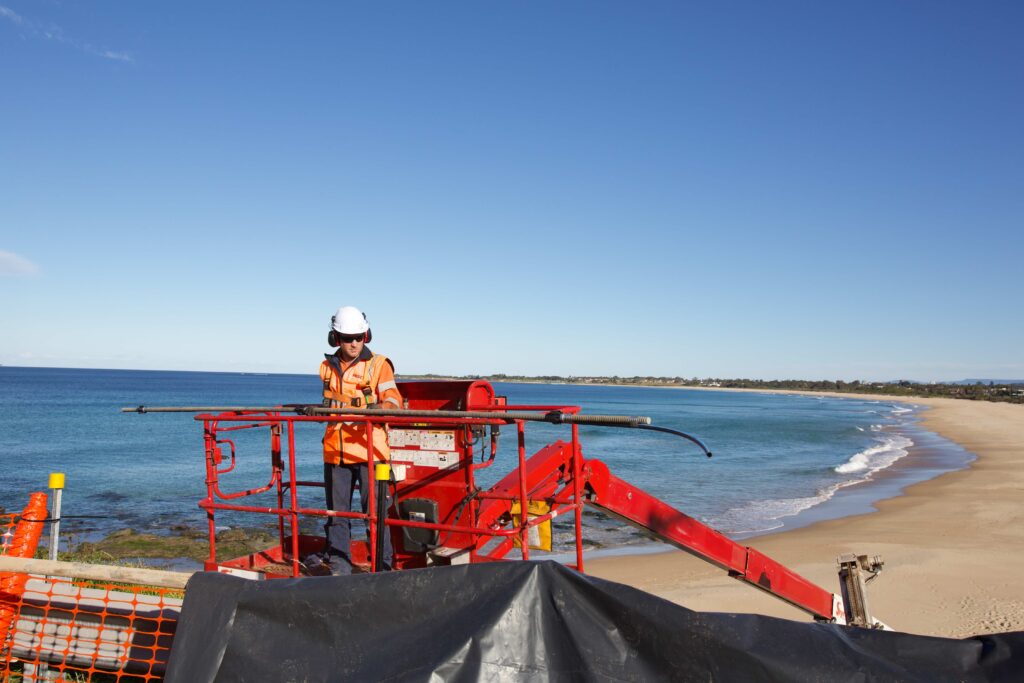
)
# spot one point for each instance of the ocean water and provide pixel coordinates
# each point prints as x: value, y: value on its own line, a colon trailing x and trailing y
x: 780, y: 460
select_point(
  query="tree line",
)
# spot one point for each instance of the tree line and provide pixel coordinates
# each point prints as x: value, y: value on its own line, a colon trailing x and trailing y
x: 978, y: 391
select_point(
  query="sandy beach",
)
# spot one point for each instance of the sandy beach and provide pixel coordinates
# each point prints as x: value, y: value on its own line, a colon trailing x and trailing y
x: 950, y: 544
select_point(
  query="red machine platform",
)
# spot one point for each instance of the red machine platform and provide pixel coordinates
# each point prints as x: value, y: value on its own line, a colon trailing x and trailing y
x: 447, y: 434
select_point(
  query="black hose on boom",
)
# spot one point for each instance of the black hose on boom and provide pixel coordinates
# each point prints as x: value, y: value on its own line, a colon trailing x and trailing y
x: 688, y: 437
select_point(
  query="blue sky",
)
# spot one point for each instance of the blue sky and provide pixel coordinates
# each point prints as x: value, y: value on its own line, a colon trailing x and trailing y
x: 813, y: 190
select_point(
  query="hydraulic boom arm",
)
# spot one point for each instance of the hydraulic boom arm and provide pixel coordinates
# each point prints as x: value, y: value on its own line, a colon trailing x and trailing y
x: 633, y: 505
x: 548, y: 477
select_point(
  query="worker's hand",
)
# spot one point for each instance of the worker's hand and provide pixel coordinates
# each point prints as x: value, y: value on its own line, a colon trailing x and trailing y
x: 302, y: 410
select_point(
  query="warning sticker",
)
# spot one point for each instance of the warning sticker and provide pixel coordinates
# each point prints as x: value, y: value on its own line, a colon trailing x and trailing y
x: 425, y: 458
x: 433, y: 439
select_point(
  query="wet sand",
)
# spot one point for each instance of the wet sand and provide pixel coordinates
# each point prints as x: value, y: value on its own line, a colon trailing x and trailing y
x: 950, y: 544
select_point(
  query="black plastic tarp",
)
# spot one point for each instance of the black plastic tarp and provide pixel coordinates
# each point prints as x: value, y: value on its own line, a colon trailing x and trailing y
x: 532, y: 621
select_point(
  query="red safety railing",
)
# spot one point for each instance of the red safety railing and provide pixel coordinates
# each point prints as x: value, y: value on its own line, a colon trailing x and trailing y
x: 284, y: 480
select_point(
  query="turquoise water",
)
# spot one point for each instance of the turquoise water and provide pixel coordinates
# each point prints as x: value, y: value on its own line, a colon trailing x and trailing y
x: 779, y: 459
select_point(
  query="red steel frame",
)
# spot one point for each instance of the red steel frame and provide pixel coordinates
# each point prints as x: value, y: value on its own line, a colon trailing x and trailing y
x: 557, y: 473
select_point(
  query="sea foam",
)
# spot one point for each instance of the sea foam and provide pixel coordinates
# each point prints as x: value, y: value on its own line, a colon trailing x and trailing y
x: 890, y: 449
x: 759, y: 516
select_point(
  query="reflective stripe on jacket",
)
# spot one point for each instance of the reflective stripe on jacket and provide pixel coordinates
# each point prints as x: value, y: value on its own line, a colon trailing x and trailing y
x: 368, y: 380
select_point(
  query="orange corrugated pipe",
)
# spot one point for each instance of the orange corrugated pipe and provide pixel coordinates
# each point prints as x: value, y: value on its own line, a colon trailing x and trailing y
x: 23, y: 544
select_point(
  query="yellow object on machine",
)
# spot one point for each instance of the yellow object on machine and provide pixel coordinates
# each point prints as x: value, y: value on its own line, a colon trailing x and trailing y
x: 539, y: 536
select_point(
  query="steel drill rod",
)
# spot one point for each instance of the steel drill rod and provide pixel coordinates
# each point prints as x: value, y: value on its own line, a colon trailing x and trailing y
x: 553, y: 417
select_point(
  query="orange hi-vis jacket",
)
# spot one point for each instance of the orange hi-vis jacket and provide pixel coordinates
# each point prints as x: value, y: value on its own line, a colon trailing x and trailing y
x: 368, y: 380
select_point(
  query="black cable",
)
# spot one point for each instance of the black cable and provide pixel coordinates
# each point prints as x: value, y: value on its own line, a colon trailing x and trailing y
x: 676, y: 432
x: 57, y: 519
x: 458, y: 515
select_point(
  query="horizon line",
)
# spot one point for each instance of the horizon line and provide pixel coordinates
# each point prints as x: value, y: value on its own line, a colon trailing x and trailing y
x: 513, y: 377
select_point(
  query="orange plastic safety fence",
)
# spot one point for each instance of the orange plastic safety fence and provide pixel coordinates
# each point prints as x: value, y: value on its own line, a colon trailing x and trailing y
x: 7, y: 581
x: 21, y: 541
x: 7, y: 523
x: 89, y: 631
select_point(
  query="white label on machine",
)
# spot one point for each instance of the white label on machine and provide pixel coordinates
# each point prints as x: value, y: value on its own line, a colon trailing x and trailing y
x: 242, y: 573
x: 432, y: 439
x: 533, y: 535
x: 422, y: 458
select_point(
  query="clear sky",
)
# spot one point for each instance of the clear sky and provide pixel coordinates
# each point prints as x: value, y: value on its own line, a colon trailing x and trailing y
x: 739, y: 189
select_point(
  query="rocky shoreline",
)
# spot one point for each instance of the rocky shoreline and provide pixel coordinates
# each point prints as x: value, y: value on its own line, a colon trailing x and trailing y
x: 182, y: 543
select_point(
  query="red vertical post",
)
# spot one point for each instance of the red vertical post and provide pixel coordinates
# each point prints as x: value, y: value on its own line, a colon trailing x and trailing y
x: 577, y: 495
x: 524, y: 517
x: 471, y: 486
x: 277, y: 466
x: 211, y: 483
x: 293, y: 516
x: 371, y: 497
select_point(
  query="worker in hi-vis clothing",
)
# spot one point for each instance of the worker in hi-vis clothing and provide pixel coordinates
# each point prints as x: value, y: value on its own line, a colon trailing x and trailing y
x: 353, y: 377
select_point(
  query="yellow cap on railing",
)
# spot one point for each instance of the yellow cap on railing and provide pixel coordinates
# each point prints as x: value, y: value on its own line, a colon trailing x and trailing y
x: 56, y: 480
x: 382, y: 471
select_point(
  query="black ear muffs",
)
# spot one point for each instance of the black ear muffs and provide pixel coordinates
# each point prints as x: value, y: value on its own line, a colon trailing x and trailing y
x: 368, y: 336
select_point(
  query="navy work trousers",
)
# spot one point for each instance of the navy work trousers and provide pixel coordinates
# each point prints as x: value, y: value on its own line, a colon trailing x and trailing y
x: 340, y: 483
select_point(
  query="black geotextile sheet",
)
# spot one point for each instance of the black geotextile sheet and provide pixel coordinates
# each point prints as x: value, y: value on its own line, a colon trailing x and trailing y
x: 532, y: 621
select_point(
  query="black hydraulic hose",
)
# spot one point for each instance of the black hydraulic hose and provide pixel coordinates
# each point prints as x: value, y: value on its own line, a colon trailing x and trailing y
x: 676, y: 432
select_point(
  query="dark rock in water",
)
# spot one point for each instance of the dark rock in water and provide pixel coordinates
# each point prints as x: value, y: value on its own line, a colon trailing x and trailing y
x: 187, y: 531
x: 184, y: 543
x: 108, y: 496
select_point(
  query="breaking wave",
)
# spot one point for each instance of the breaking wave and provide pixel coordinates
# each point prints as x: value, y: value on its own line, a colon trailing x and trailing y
x: 870, y: 460
x: 759, y: 516
x: 765, y: 515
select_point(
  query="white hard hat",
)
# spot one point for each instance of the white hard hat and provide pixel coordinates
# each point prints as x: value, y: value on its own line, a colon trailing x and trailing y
x: 349, y: 320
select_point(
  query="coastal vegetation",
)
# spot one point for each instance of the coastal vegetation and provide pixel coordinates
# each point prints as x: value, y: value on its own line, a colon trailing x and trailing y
x: 975, y: 391
x: 131, y: 547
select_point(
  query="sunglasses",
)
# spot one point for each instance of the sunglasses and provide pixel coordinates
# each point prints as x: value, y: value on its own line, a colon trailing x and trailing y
x: 349, y: 338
